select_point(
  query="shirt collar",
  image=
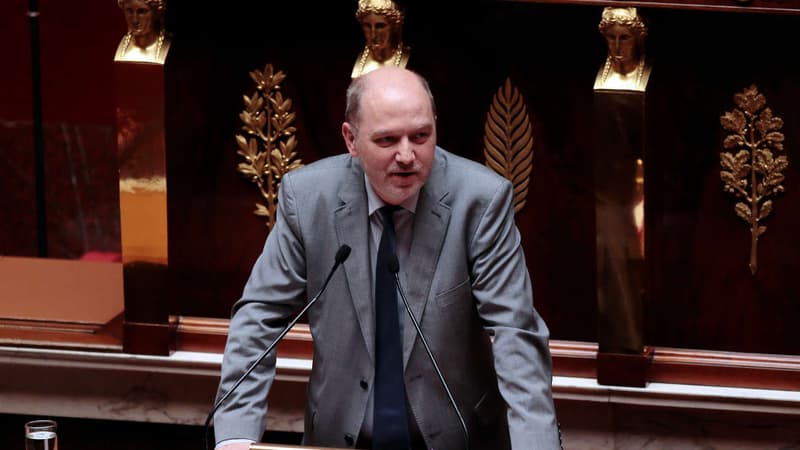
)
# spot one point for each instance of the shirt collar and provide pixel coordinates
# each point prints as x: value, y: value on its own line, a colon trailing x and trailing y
x: 374, y: 202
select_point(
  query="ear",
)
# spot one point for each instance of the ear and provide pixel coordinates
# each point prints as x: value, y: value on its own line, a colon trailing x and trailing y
x: 349, y: 136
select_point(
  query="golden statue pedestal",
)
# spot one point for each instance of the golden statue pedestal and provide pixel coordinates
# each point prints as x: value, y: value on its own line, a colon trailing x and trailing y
x: 140, y: 100
x: 619, y: 155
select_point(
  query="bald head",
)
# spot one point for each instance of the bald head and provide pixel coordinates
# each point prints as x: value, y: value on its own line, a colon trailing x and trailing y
x: 391, y: 129
x: 386, y: 79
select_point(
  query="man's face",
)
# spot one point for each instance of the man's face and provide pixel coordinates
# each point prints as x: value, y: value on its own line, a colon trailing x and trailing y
x: 621, y: 44
x: 139, y: 17
x: 378, y: 34
x: 394, y: 137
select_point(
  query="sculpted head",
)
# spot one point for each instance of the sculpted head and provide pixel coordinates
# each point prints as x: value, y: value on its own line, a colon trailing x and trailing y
x: 624, y: 32
x: 390, y: 126
x: 382, y: 24
x: 145, y: 19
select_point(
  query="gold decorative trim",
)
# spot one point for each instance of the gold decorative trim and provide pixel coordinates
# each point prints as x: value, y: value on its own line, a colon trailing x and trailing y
x: 753, y: 173
x: 508, y: 140
x: 268, y: 142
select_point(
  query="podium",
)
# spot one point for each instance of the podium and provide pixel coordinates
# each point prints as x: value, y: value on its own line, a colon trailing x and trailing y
x: 259, y: 446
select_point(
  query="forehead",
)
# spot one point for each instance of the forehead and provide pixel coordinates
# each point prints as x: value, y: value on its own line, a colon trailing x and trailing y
x: 134, y: 4
x: 375, y: 19
x: 399, y: 99
x: 617, y: 29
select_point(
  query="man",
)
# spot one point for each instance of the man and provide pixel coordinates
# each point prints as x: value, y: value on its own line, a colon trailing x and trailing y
x: 461, y: 267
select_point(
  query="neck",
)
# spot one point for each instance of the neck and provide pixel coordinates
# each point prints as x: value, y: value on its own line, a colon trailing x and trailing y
x: 624, y: 67
x: 145, y: 40
x: 385, y: 53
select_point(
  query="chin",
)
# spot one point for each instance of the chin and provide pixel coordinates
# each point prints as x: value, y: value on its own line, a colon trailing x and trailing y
x: 396, y: 197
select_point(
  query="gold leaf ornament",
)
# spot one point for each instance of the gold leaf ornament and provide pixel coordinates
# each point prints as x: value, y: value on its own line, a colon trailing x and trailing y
x: 754, y: 173
x: 267, y: 143
x: 508, y: 140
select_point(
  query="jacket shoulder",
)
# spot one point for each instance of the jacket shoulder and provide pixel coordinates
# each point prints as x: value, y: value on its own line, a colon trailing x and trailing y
x: 463, y: 174
x: 325, y: 170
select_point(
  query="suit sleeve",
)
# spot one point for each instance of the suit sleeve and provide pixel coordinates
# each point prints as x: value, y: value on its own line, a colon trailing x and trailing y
x: 275, y: 290
x: 502, y: 289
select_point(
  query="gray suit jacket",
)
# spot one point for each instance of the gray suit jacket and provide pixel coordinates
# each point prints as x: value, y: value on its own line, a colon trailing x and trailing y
x: 468, y: 286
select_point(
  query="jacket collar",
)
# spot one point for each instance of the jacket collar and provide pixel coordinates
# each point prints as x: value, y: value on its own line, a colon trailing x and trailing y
x: 430, y: 224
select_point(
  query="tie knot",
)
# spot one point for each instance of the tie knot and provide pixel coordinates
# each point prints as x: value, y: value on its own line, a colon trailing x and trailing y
x: 387, y: 212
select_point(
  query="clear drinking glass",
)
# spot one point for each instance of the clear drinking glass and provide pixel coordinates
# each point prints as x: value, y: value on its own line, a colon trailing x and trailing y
x: 41, y: 435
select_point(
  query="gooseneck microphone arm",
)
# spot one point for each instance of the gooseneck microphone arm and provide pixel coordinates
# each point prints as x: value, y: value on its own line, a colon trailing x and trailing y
x: 341, y: 256
x: 394, y: 268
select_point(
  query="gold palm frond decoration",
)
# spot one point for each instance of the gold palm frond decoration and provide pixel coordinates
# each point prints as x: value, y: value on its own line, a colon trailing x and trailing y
x: 268, y: 143
x: 508, y: 140
x: 751, y: 167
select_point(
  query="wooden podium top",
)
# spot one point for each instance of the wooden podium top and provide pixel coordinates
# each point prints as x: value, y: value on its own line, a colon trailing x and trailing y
x: 258, y: 446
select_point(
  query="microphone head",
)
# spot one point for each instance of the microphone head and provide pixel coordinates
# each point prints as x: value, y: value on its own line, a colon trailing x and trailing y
x: 393, y: 265
x: 342, y: 254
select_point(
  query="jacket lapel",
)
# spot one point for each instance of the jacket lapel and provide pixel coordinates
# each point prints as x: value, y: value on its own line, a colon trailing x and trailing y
x: 432, y: 216
x: 352, y: 229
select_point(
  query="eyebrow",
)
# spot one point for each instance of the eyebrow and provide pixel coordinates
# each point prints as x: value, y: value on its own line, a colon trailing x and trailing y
x: 387, y: 131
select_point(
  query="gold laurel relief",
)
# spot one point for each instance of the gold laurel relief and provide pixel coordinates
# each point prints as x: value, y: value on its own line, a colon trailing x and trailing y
x: 508, y: 140
x: 751, y: 165
x: 268, y: 142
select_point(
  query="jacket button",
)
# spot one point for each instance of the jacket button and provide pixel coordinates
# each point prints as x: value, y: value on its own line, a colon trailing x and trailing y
x: 348, y: 438
x: 363, y: 383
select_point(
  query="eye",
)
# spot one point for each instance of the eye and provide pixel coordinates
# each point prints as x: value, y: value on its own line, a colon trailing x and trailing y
x: 385, y: 141
x: 420, y: 137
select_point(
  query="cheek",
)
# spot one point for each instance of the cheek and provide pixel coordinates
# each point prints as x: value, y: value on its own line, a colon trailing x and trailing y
x: 426, y: 154
x: 383, y: 161
x: 373, y: 161
x: 629, y: 51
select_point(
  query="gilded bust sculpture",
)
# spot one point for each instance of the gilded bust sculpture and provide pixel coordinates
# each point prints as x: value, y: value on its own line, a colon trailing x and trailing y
x: 146, y: 40
x: 626, y: 67
x: 382, y: 24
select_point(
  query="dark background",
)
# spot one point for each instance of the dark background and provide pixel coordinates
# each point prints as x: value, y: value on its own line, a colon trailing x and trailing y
x: 699, y: 291
x: 92, y: 434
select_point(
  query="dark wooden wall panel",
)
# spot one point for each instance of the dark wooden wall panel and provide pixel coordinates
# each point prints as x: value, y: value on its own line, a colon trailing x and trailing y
x: 699, y: 293
x: 77, y: 43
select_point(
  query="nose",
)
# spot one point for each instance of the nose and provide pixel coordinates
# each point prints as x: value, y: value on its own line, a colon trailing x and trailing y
x: 405, y: 154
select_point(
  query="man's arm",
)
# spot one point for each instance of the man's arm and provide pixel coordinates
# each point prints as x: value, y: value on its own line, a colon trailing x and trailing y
x: 274, y: 291
x: 502, y: 289
x: 234, y: 444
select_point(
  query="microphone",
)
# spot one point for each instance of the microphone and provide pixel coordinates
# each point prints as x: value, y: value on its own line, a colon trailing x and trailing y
x: 341, y: 256
x: 394, y: 267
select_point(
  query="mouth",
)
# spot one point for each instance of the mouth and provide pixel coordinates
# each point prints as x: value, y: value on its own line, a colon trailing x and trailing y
x: 403, y: 176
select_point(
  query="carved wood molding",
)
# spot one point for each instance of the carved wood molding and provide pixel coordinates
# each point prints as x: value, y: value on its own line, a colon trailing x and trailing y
x: 574, y: 359
x: 508, y: 140
x: 62, y: 334
x: 570, y: 358
x: 268, y: 143
x: 741, y: 6
x: 725, y: 369
x: 752, y: 161
x: 203, y: 334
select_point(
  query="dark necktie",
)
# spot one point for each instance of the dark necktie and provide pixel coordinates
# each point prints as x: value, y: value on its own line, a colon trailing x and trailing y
x: 390, y: 421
